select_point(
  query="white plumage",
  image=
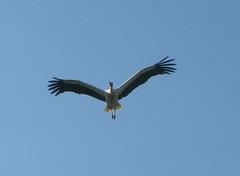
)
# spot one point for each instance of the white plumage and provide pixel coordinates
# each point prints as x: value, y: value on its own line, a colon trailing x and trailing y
x: 111, y: 95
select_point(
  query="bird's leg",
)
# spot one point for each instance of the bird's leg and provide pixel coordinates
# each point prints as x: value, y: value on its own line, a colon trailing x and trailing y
x: 113, y: 114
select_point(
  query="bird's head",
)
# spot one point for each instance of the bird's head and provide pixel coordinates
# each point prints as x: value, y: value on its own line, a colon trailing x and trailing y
x: 111, y: 84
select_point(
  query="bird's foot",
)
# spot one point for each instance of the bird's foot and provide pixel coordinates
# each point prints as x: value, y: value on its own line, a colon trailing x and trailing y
x: 113, y: 117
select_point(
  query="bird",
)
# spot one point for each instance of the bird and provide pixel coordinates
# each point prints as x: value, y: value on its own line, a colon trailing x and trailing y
x: 111, y: 96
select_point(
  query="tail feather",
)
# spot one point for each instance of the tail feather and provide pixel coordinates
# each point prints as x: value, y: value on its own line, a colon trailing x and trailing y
x: 109, y: 109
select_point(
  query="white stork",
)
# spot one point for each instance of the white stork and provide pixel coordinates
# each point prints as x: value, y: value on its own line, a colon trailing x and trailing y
x: 111, y: 95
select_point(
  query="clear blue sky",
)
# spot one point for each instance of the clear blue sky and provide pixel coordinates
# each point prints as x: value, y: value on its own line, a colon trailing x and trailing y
x: 182, y: 124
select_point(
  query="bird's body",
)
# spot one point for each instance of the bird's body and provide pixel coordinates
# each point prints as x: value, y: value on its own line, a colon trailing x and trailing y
x: 112, y: 101
x: 112, y: 96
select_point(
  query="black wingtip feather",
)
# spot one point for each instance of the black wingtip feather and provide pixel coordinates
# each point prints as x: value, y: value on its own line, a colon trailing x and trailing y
x: 54, y: 86
x: 55, y: 90
x: 164, y: 59
x: 56, y: 78
x: 163, y: 62
x: 167, y: 64
x: 58, y: 93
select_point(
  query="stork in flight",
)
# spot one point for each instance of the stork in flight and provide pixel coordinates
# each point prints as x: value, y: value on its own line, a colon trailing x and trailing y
x: 111, y: 95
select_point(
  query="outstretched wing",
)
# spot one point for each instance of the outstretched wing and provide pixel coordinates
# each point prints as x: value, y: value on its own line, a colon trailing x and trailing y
x: 162, y: 67
x: 58, y: 86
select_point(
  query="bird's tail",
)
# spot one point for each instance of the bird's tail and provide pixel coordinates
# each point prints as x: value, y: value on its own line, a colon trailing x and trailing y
x: 109, y: 109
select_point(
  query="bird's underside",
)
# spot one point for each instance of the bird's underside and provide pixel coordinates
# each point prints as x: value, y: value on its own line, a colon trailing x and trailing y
x: 111, y: 96
x: 112, y: 102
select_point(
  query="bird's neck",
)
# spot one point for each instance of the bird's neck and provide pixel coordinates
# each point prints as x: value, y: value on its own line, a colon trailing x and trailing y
x: 111, y: 89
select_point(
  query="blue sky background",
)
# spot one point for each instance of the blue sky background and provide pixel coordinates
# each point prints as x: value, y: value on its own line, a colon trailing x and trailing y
x: 184, y: 124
